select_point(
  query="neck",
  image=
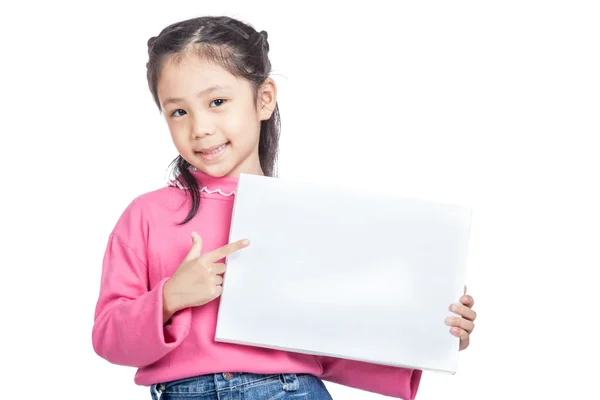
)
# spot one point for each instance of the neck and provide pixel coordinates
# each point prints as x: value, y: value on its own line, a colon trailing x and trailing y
x: 249, y: 166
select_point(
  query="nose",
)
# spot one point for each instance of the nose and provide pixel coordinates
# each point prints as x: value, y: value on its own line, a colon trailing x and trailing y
x: 202, y: 125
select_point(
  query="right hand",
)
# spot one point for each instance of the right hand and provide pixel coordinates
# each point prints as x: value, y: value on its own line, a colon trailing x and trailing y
x: 198, y: 279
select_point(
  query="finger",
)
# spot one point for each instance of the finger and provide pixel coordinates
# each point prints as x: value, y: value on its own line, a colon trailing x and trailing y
x: 196, y: 249
x: 461, y: 333
x: 226, y: 250
x: 215, y: 280
x: 218, y: 268
x: 218, y: 290
x: 215, y: 291
x: 468, y: 301
x: 464, y: 343
x: 464, y: 311
x: 461, y: 323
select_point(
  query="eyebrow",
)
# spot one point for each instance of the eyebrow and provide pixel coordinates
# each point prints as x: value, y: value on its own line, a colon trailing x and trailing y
x: 200, y: 94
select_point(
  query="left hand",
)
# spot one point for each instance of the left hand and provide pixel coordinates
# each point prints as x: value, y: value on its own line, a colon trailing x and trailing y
x: 462, y: 327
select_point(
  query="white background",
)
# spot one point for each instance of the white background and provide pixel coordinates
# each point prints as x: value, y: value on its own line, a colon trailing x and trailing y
x: 492, y: 105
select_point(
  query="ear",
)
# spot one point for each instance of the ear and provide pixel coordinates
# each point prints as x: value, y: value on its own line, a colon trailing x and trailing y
x: 267, y: 99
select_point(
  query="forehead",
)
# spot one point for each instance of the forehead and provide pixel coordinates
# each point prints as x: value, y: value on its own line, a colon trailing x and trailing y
x: 188, y: 75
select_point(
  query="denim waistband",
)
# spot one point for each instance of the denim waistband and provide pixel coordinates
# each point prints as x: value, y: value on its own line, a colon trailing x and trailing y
x: 225, y: 381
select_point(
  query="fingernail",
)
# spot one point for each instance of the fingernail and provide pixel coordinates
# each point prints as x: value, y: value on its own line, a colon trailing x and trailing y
x: 245, y: 242
x: 447, y: 320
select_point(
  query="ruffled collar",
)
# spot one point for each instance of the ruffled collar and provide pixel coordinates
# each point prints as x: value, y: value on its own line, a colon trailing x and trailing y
x: 225, y: 186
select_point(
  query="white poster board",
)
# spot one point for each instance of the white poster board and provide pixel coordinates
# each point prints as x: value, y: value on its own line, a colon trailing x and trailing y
x: 344, y: 273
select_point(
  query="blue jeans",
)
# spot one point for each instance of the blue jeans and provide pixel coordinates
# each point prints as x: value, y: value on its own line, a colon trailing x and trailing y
x: 242, y: 386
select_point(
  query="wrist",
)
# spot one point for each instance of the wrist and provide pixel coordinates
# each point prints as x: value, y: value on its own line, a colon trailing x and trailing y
x: 171, y: 303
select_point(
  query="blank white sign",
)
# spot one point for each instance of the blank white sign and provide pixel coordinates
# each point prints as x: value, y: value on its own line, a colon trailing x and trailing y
x: 344, y: 273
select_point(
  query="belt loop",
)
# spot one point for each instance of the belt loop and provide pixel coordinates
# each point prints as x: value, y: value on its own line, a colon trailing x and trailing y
x: 156, y: 390
x: 290, y: 382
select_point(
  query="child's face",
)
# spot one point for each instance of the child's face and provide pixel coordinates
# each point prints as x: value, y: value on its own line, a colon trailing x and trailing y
x: 213, y: 117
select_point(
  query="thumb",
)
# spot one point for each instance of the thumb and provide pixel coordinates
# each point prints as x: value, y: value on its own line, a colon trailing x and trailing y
x: 196, y: 249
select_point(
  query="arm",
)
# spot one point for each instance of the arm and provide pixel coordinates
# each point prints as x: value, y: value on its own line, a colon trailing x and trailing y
x: 129, y: 321
x: 395, y: 382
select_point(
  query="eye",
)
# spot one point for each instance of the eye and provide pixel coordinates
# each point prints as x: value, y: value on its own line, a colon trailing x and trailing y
x: 179, y: 110
x: 217, y: 102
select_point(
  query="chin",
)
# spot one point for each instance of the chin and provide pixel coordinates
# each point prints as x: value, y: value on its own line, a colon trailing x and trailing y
x: 218, y: 171
x: 224, y: 167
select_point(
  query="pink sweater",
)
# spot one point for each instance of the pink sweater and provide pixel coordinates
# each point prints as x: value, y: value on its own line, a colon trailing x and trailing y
x: 144, y: 250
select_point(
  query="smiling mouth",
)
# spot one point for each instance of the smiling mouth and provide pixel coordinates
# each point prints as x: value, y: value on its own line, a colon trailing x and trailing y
x: 213, y: 150
x: 213, y: 154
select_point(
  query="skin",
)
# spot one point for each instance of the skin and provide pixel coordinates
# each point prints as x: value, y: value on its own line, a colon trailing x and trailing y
x: 463, y: 325
x: 206, y: 106
x: 213, y: 107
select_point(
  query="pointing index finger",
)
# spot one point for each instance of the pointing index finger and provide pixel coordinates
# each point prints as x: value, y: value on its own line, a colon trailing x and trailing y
x: 226, y: 250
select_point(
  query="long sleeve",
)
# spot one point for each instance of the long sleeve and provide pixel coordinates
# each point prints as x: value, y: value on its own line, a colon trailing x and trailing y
x: 128, y: 322
x: 401, y: 383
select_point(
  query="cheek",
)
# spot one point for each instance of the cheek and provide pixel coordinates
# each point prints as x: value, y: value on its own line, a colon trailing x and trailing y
x: 179, y: 136
x: 243, y: 130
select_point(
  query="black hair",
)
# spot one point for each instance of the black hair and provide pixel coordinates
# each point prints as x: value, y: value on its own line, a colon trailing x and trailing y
x: 237, y: 47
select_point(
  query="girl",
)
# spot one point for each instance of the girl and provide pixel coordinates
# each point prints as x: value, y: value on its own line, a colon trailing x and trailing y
x: 159, y: 292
